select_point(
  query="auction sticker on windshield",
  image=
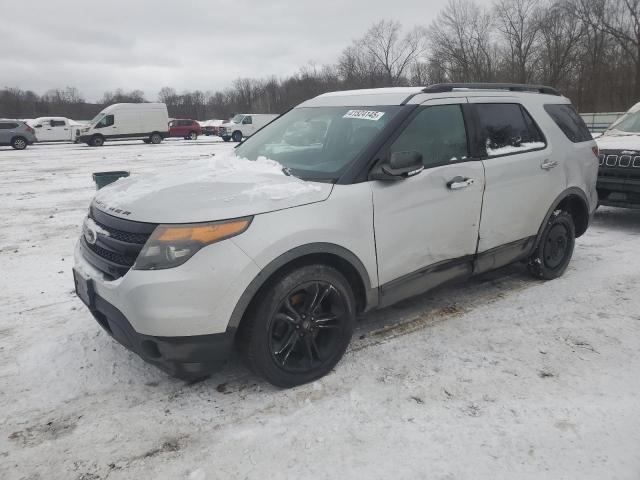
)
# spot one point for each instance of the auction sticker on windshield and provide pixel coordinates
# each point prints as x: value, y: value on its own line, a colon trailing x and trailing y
x: 364, y: 115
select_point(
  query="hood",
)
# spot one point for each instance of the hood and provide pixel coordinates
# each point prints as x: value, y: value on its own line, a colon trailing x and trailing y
x: 619, y: 142
x: 215, y: 189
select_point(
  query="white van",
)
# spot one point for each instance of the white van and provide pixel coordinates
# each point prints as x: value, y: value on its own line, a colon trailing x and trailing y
x: 244, y: 125
x: 53, y: 129
x: 148, y: 122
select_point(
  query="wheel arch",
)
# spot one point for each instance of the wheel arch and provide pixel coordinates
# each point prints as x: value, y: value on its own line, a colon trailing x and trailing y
x: 573, y: 201
x: 333, y: 255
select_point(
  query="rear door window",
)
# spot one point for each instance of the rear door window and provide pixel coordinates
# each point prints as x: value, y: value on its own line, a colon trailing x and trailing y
x: 569, y: 122
x: 57, y: 123
x: 438, y: 133
x: 507, y: 129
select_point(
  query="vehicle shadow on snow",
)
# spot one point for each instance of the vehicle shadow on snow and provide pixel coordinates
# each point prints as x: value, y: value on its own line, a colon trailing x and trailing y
x: 619, y: 219
x: 408, y: 316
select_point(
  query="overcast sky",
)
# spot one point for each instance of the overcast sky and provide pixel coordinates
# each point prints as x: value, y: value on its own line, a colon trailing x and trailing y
x: 196, y: 44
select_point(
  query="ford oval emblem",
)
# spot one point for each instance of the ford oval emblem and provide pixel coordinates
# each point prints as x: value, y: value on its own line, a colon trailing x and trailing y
x: 90, y: 235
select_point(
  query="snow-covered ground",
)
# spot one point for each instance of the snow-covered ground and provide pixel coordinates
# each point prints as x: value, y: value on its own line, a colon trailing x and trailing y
x: 502, y: 377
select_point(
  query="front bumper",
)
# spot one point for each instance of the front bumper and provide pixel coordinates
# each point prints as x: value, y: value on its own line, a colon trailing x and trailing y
x: 618, y: 191
x: 182, y: 357
x: 196, y: 298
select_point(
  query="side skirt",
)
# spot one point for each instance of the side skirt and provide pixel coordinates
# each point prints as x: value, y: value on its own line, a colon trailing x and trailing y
x: 425, y: 279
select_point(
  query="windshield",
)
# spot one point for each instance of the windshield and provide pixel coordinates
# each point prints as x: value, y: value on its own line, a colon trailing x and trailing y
x: 318, y: 143
x: 628, y: 123
x: 237, y: 119
x: 97, y: 118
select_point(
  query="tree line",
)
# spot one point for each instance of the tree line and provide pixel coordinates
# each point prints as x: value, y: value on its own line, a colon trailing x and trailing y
x: 588, y: 49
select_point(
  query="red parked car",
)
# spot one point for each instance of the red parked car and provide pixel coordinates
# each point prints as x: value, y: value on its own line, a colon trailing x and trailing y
x: 187, y: 129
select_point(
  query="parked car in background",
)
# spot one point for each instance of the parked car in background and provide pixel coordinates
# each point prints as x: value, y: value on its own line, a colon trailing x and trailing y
x: 127, y: 121
x: 619, y: 173
x: 53, y: 129
x: 16, y: 133
x: 185, y: 128
x: 462, y: 178
x: 244, y: 125
x: 210, y: 127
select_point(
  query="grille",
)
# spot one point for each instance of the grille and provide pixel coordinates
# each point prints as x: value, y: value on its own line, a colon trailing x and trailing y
x: 114, y: 254
x: 619, y: 160
x: 111, y: 256
x: 128, y: 237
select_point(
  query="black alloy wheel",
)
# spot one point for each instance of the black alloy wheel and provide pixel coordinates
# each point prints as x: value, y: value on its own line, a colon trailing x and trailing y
x: 300, y: 326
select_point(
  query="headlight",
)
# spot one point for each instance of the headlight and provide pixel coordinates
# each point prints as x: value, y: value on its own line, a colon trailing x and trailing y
x: 172, y: 245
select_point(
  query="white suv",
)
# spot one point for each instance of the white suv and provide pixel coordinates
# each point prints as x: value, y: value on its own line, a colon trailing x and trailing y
x: 349, y: 202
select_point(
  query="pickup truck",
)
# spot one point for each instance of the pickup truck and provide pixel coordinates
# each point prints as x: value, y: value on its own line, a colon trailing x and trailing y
x: 54, y: 129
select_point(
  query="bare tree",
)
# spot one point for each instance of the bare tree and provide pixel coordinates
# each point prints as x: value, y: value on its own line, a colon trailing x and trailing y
x: 561, y: 38
x: 518, y: 23
x: 462, y: 42
x: 391, y: 51
x: 620, y: 19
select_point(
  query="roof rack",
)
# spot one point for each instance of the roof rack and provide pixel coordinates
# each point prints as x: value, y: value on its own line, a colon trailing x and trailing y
x: 513, y: 87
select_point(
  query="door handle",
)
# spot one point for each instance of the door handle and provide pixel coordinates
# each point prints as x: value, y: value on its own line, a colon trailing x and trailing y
x: 458, y: 183
x: 548, y: 164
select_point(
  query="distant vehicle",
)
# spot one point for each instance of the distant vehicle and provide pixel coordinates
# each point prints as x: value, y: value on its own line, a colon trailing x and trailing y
x: 127, y: 121
x: 211, y: 127
x: 619, y: 172
x: 187, y: 129
x: 16, y: 133
x: 244, y: 125
x: 53, y: 129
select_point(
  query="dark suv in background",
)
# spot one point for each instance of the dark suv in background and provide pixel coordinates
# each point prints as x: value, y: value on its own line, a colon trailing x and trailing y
x: 16, y: 133
x: 187, y: 129
x: 619, y: 173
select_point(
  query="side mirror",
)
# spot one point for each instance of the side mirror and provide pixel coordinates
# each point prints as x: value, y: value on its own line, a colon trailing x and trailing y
x: 401, y: 165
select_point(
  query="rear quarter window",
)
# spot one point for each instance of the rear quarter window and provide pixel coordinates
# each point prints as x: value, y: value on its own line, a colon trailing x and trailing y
x: 507, y: 129
x: 7, y: 125
x: 569, y: 122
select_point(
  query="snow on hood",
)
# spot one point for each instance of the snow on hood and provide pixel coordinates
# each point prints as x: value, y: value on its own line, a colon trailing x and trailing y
x: 619, y: 142
x: 215, y: 189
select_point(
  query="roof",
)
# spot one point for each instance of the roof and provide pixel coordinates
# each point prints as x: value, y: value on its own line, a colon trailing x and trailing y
x: 403, y: 95
x: 363, y: 97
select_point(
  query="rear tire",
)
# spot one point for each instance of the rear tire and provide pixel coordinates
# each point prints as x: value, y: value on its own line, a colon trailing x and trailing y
x: 155, y: 138
x: 299, y: 327
x: 19, y: 143
x: 553, y: 253
x: 192, y: 136
x: 237, y: 136
x: 97, y: 141
x: 226, y: 139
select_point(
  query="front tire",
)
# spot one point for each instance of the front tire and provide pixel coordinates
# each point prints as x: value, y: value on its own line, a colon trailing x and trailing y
x: 237, y: 136
x: 97, y: 141
x: 553, y: 253
x: 19, y: 143
x: 226, y: 139
x: 192, y: 136
x: 300, y: 326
